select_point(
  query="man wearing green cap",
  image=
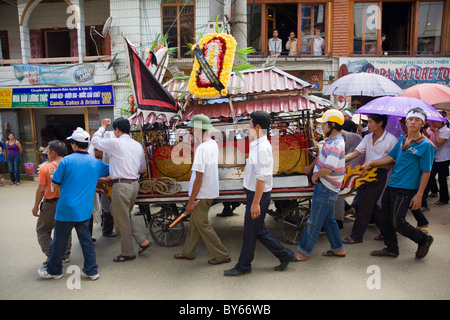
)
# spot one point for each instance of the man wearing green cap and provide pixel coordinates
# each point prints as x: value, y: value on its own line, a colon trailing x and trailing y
x: 204, y: 187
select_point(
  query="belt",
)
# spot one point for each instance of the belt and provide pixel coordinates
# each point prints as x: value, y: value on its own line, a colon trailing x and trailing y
x: 124, y: 180
x: 51, y: 200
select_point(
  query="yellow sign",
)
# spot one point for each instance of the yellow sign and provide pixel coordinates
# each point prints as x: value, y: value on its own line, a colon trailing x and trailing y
x: 5, y: 98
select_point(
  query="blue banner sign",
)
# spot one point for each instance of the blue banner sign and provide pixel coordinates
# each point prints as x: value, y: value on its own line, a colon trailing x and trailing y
x: 54, y: 74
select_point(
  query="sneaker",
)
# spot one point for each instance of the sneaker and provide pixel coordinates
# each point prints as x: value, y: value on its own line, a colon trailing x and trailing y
x: 44, y: 274
x: 93, y: 277
x: 65, y: 260
x: 422, y: 249
x: 427, y: 208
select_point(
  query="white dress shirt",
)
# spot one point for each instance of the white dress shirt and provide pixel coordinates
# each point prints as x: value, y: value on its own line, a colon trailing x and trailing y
x: 318, y: 45
x: 259, y: 165
x: 275, y: 46
x: 381, y: 148
x: 127, y: 158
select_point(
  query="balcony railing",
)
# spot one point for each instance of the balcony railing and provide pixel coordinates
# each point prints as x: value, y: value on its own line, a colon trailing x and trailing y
x: 56, y: 60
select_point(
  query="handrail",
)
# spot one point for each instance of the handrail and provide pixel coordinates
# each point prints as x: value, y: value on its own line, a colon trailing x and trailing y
x: 56, y: 60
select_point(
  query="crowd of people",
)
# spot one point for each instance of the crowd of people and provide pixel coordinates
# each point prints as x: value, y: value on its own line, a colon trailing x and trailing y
x: 293, y: 47
x: 406, y: 167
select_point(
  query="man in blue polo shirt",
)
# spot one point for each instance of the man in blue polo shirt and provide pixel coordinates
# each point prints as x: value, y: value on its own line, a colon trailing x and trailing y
x: 76, y: 176
x: 413, y: 155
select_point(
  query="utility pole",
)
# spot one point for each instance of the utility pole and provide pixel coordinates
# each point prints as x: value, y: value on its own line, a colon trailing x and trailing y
x: 215, y: 9
x: 239, y: 25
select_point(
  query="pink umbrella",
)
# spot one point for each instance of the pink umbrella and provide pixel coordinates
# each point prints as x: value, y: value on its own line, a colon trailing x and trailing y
x: 435, y: 94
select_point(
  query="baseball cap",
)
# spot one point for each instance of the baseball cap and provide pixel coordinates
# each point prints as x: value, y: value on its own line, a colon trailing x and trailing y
x: 80, y: 135
x: 332, y: 116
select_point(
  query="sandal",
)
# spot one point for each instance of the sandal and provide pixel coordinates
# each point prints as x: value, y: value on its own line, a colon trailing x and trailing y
x: 440, y: 203
x: 182, y: 256
x: 331, y: 253
x: 350, y: 240
x: 143, y: 248
x: 121, y: 258
x: 383, y: 253
x: 379, y: 237
x: 213, y: 261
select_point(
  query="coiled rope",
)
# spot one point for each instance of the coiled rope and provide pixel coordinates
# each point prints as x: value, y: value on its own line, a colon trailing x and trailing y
x: 163, y: 185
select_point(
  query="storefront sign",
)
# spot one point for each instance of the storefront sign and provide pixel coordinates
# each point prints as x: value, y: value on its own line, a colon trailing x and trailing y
x: 54, y: 74
x: 5, y: 98
x: 40, y: 97
x: 405, y: 72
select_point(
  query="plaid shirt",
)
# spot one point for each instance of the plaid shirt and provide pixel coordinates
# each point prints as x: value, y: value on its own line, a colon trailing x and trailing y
x: 332, y: 156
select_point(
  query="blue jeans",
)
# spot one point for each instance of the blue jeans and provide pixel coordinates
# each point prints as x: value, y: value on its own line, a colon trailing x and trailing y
x: 58, y: 247
x: 255, y: 229
x: 14, y: 168
x: 321, y: 215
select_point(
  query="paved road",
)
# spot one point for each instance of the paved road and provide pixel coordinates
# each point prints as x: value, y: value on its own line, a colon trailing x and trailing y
x: 156, y: 275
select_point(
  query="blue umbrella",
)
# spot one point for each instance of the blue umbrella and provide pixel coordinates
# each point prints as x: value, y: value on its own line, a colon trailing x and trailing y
x: 399, y: 106
x: 364, y: 84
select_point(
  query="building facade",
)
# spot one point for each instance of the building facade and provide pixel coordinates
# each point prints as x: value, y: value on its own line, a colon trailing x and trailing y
x: 63, y: 65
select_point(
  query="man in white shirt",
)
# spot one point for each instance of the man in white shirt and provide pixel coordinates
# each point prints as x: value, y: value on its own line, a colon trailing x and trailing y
x: 275, y: 44
x: 203, y: 187
x: 258, y: 181
x: 319, y: 44
x: 127, y: 161
x: 375, y: 145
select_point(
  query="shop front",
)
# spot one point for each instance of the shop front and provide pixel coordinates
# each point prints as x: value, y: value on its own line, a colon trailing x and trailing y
x: 37, y: 115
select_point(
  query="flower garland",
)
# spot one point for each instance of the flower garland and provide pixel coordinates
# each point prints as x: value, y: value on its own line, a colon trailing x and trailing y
x: 218, y: 49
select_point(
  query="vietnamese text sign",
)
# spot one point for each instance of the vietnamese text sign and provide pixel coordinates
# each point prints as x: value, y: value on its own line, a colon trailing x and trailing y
x: 405, y: 71
x: 5, y: 97
x: 39, y: 97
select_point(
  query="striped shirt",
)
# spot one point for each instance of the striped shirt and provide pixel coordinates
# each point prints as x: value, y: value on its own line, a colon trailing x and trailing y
x: 332, y: 157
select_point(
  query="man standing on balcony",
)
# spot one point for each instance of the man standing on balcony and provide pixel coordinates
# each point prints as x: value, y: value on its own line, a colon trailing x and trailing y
x: 319, y: 43
x: 275, y: 44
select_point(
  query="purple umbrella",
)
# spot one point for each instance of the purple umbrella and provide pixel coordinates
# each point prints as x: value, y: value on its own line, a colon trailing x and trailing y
x: 399, y: 106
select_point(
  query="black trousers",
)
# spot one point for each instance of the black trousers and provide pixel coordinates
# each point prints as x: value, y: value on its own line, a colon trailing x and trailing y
x: 441, y: 170
x: 394, y: 206
x: 369, y: 193
x: 256, y: 230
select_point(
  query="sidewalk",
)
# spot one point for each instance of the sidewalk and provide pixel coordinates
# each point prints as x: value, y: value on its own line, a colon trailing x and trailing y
x: 157, y: 275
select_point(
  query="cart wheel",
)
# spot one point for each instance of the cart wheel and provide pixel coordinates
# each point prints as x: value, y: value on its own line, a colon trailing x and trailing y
x: 160, y: 231
x: 293, y: 223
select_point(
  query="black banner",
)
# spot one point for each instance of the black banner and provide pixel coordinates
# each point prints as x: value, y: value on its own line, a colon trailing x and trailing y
x: 207, y: 69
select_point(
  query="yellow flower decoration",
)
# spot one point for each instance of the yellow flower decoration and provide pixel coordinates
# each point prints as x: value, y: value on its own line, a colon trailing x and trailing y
x: 220, y: 62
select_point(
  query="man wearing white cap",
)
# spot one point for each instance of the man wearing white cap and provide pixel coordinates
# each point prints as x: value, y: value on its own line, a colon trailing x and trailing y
x: 76, y: 176
x: 413, y: 155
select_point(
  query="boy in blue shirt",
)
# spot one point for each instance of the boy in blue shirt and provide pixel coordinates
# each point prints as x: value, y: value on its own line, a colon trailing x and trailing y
x: 413, y: 156
x: 76, y: 176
